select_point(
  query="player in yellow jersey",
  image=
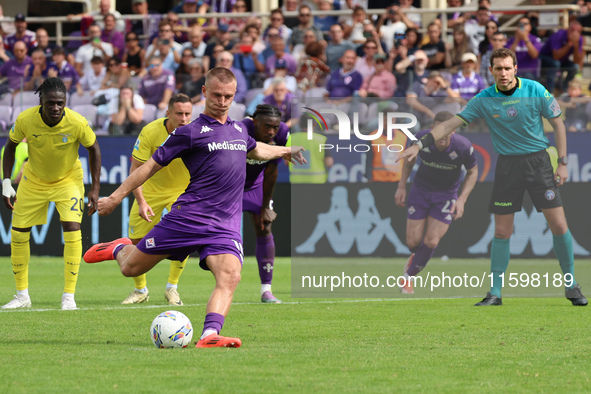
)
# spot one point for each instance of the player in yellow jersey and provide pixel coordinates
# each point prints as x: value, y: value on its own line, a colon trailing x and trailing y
x: 52, y: 173
x: 159, y: 192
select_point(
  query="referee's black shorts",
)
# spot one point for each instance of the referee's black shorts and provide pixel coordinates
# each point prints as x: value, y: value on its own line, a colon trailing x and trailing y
x: 516, y: 174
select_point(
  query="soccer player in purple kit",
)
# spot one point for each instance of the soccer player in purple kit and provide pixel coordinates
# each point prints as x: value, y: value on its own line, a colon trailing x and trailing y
x: 433, y: 200
x: 206, y: 217
x: 261, y: 176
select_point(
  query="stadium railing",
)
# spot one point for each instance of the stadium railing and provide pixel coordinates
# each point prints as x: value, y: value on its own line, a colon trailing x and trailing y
x: 562, y: 9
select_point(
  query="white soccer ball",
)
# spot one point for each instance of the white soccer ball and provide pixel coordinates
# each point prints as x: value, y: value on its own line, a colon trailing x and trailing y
x: 171, y: 329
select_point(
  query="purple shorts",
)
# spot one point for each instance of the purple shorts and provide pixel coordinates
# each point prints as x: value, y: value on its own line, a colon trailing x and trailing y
x: 253, y: 200
x: 180, y: 244
x: 436, y: 205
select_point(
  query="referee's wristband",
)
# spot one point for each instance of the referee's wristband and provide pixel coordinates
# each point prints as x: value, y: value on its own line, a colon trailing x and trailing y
x: 426, y: 140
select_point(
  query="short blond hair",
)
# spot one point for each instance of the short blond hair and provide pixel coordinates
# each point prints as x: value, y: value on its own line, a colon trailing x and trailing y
x: 221, y: 74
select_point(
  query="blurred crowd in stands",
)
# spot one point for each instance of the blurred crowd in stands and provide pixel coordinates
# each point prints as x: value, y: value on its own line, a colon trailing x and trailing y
x: 124, y: 72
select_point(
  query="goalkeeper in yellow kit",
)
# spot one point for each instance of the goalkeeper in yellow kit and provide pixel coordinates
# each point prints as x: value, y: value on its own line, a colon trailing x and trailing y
x: 158, y: 192
x: 53, y: 173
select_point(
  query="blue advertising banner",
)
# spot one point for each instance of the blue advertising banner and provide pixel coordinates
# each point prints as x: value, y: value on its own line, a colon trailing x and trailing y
x: 349, y: 165
x: 470, y: 237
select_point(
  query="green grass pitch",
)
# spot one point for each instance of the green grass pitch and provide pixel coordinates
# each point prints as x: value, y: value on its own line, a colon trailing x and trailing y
x: 304, y: 345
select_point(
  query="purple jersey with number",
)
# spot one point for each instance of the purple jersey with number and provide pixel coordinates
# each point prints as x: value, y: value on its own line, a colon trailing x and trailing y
x: 215, y: 155
x: 440, y: 172
x: 255, y: 168
x: 435, y: 187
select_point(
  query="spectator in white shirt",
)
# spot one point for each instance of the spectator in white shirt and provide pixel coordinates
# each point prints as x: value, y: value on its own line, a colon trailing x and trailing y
x: 195, y: 42
x: 91, y: 81
x: 95, y: 47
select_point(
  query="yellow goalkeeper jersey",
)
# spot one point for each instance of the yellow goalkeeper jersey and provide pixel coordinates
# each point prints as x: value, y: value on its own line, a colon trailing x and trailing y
x: 173, y: 178
x: 53, y: 151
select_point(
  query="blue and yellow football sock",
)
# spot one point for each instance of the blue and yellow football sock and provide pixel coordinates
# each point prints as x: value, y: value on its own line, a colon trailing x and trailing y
x: 20, y: 254
x: 499, y: 261
x: 72, y: 256
x: 563, y: 249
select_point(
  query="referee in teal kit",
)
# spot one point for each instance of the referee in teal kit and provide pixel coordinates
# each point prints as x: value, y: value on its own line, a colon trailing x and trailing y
x: 513, y: 109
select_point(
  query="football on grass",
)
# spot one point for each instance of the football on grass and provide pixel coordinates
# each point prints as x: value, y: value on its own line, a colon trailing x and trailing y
x: 171, y: 329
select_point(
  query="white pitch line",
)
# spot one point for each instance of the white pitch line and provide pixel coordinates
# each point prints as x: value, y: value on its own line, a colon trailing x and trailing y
x: 152, y: 306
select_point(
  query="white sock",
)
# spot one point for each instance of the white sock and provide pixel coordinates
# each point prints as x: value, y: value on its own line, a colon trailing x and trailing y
x: 208, y: 332
x: 265, y: 288
x: 168, y: 286
x: 24, y: 293
x: 143, y: 291
x: 68, y: 294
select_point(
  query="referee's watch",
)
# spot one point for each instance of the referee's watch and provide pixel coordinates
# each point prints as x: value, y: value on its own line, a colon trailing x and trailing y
x: 563, y: 160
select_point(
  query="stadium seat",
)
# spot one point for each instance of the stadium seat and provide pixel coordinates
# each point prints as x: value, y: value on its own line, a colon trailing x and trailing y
x: 197, y: 110
x: 251, y: 94
x: 102, y: 122
x: 88, y: 111
x: 361, y: 112
x: 372, y: 111
x: 160, y: 113
x: 315, y: 93
x: 299, y: 95
x: 5, y: 113
x: 76, y: 99
x: 236, y: 111
x: 454, y: 108
x: 16, y: 111
x: 150, y: 111
x: 25, y: 100
x: 135, y: 82
x: 345, y: 107
x: 6, y: 99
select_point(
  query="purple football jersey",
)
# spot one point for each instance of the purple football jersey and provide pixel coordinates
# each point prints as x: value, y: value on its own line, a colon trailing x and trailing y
x: 29, y: 38
x: 255, y: 168
x: 152, y: 89
x: 441, y: 171
x: 215, y: 155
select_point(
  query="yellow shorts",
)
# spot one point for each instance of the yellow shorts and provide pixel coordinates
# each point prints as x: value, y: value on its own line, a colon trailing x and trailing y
x: 32, y: 202
x: 138, y: 227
